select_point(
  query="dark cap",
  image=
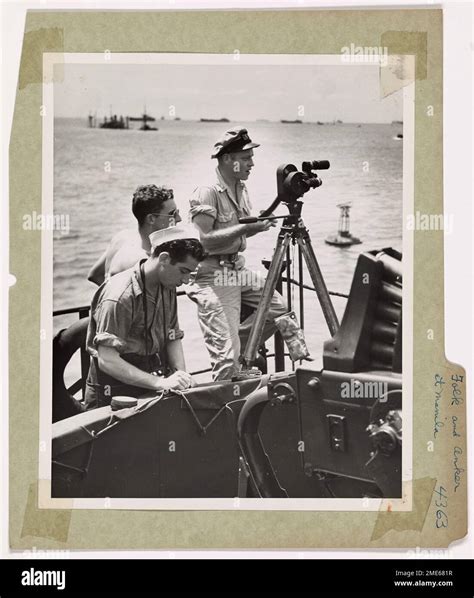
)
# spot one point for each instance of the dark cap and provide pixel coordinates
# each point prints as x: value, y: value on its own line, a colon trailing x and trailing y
x: 233, y: 140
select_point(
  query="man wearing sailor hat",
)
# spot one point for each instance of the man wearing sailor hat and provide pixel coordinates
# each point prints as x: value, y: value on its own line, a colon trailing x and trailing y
x: 134, y: 337
x: 215, y: 210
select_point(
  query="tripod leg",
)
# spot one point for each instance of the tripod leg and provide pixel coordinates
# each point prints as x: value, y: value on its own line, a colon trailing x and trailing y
x: 250, y: 352
x: 319, y: 284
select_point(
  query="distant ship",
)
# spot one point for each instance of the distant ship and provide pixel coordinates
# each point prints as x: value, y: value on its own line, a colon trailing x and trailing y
x: 291, y: 122
x: 144, y: 118
x: 214, y: 120
x: 113, y: 122
x: 333, y: 122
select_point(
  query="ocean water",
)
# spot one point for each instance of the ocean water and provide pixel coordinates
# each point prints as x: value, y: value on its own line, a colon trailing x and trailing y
x: 96, y: 172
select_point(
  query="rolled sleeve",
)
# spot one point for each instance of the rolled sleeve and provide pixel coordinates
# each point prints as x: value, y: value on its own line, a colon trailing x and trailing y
x: 109, y: 340
x: 203, y: 201
x: 113, y: 321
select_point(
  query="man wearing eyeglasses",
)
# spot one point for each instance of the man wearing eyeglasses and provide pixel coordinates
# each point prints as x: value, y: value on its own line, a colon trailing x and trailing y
x: 155, y: 209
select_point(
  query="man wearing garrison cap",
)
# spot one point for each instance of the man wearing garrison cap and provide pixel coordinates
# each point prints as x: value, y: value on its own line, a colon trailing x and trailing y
x: 134, y: 337
x: 215, y: 210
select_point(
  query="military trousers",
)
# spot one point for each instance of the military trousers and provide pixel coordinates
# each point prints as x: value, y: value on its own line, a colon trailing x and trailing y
x: 220, y: 288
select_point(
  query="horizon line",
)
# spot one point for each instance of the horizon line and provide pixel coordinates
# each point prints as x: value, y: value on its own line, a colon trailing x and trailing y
x: 258, y: 120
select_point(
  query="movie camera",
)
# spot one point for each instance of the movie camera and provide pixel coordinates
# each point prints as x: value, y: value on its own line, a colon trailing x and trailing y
x: 292, y: 184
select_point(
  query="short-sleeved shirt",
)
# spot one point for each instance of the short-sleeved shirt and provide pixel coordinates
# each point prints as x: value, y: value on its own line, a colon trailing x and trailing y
x: 218, y: 201
x: 118, y: 320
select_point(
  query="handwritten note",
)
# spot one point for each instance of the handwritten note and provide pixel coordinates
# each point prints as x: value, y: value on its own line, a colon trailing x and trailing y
x: 456, y: 400
x: 454, y: 420
x: 441, y: 503
x: 456, y: 391
x: 438, y: 392
x: 458, y: 471
x: 447, y: 427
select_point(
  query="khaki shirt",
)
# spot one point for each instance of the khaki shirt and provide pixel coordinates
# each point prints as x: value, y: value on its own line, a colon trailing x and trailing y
x: 218, y: 202
x: 118, y: 321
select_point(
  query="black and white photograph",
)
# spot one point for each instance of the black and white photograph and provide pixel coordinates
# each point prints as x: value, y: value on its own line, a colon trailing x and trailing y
x: 225, y: 263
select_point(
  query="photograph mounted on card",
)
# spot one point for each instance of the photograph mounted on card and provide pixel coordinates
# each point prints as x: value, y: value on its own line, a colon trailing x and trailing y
x: 236, y: 250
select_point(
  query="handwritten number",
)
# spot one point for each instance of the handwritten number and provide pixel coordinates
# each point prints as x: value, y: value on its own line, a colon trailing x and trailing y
x: 441, y: 519
x: 442, y: 501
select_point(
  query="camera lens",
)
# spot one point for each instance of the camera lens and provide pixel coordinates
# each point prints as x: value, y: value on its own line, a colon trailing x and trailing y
x: 315, y: 182
x: 320, y: 165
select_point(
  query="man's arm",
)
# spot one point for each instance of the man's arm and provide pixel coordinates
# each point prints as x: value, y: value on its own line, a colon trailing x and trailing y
x: 211, y: 238
x: 250, y: 234
x: 97, y: 272
x: 175, y: 353
x: 111, y: 363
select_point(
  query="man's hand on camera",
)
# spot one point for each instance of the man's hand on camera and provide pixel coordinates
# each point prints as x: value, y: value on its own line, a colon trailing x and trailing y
x: 273, y: 222
x: 260, y: 226
x: 270, y: 216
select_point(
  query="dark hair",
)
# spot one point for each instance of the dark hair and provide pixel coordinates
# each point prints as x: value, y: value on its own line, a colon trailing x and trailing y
x: 180, y: 249
x: 148, y: 199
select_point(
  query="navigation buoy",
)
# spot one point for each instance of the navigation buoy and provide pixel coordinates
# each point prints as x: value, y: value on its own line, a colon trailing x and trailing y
x: 343, y: 237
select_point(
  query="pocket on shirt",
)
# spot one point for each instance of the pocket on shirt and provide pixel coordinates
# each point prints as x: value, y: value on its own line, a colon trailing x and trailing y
x: 225, y: 217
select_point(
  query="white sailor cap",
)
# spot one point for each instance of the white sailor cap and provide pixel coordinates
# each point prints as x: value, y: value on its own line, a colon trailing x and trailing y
x: 172, y: 233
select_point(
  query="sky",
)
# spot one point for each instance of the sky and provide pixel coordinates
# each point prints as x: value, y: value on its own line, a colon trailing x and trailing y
x: 349, y: 92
